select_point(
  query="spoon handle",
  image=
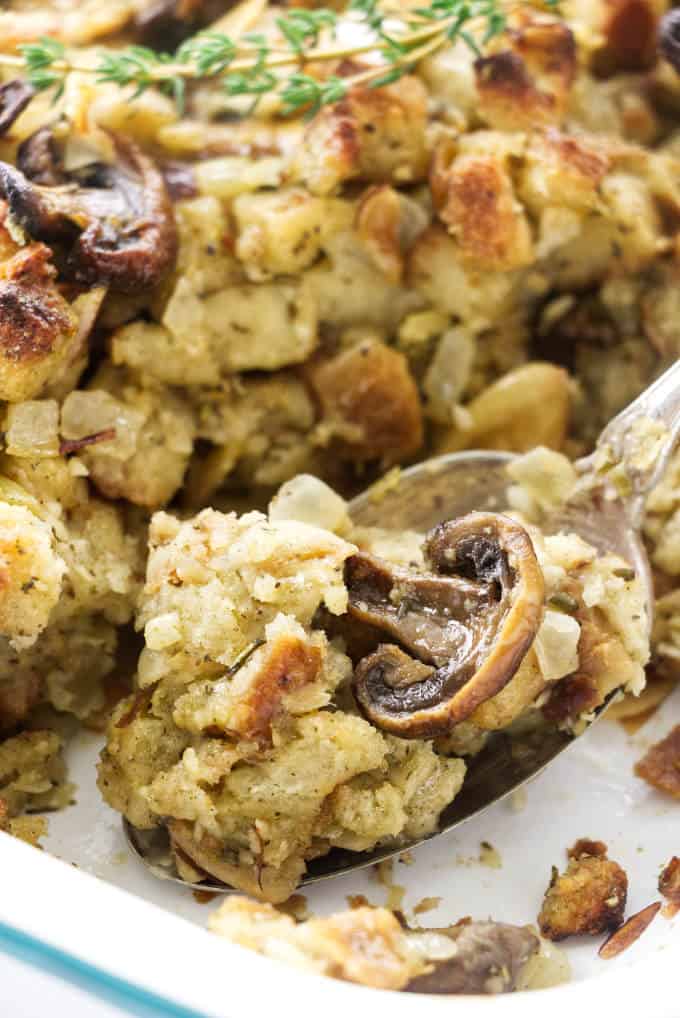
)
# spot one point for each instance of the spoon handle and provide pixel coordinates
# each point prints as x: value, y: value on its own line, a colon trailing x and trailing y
x: 643, y: 456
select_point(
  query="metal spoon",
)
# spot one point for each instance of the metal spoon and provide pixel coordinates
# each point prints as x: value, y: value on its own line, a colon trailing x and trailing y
x: 452, y: 485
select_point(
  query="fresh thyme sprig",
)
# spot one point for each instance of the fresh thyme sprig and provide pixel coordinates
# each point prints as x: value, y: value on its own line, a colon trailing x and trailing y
x: 252, y: 65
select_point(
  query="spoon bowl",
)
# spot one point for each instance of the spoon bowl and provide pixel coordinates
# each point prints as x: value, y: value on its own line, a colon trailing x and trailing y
x: 451, y: 486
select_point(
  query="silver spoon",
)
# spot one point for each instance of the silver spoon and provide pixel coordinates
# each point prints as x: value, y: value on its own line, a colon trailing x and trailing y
x: 452, y: 485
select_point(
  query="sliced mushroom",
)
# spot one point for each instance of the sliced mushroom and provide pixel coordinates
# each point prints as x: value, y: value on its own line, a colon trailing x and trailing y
x: 460, y: 631
x: 164, y: 24
x: 39, y: 159
x: 669, y: 38
x: 14, y: 98
x: 118, y: 228
x: 484, y: 957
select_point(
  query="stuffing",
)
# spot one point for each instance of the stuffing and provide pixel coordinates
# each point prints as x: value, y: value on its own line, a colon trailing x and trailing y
x: 37, y: 325
x: 476, y: 201
x: 261, y: 431
x: 152, y: 436
x: 373, y: 947
x: 369, y: 403
x: 480, y: 254
x: 243, y: 737
x: 588, y: 898
x: 375, y: 135
x: 364, y: 945
x: 66, y: 594
x: 281, y: 232
x: 235, y: 734
x: 599, y: 594
x: 74, y: 22
x: 31, y: 574
x: 32, y: 773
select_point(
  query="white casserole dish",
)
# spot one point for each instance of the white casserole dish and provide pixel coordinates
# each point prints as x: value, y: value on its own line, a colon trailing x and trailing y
x: 143, y: 943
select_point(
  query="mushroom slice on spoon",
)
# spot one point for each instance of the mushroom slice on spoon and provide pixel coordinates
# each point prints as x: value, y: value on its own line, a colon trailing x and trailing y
x: 460, y: 630
x: 116, y: 227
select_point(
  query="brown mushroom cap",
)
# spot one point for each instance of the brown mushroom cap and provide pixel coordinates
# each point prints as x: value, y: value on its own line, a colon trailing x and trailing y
x: 489, y: 958
x: 462, y: 630
x: 164, y: 24
x: 119, y: 229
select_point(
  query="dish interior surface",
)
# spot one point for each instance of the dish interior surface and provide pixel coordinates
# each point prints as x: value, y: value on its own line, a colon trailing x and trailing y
x: 639, y: 826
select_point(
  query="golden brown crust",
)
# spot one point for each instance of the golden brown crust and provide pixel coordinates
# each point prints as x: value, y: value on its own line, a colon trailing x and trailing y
x: 588, y: 898
x: 36, y: 323
x: 287, y: 665
x: 478, y: 205
x: 529, y: 83
x: 33, y: 315
x: 370, y: 400
x: 374, y: 134
x: 586, y: 160
x: 660, y: 766
x: 586, y: 846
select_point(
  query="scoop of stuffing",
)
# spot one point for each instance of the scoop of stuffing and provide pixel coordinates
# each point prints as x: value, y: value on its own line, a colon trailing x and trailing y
x: 237, y: 737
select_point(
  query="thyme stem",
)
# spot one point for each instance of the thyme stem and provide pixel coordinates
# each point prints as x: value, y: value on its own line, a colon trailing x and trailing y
x: 246, y: 65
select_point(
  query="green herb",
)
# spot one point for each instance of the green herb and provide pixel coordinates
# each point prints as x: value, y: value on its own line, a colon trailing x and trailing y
x: 252, y: 65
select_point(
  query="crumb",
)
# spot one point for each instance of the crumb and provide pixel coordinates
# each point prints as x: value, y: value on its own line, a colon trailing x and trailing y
x: 204, y: 897
x: 660, y: 766
x: 406, y: 858
x: 588, y: 898
x: 358, y: 901
x: 489, y: 856
x: 627, y: 934
x: 669, y: 887
x: 427, y: 905
x: 296, y: 907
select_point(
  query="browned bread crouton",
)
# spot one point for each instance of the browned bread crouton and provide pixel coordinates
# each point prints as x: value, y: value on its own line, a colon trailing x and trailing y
x: 589, y: 897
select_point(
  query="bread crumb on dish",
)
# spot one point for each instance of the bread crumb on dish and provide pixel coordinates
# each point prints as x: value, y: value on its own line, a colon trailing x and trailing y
x: 660, y: 766
x: 588, y: 898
